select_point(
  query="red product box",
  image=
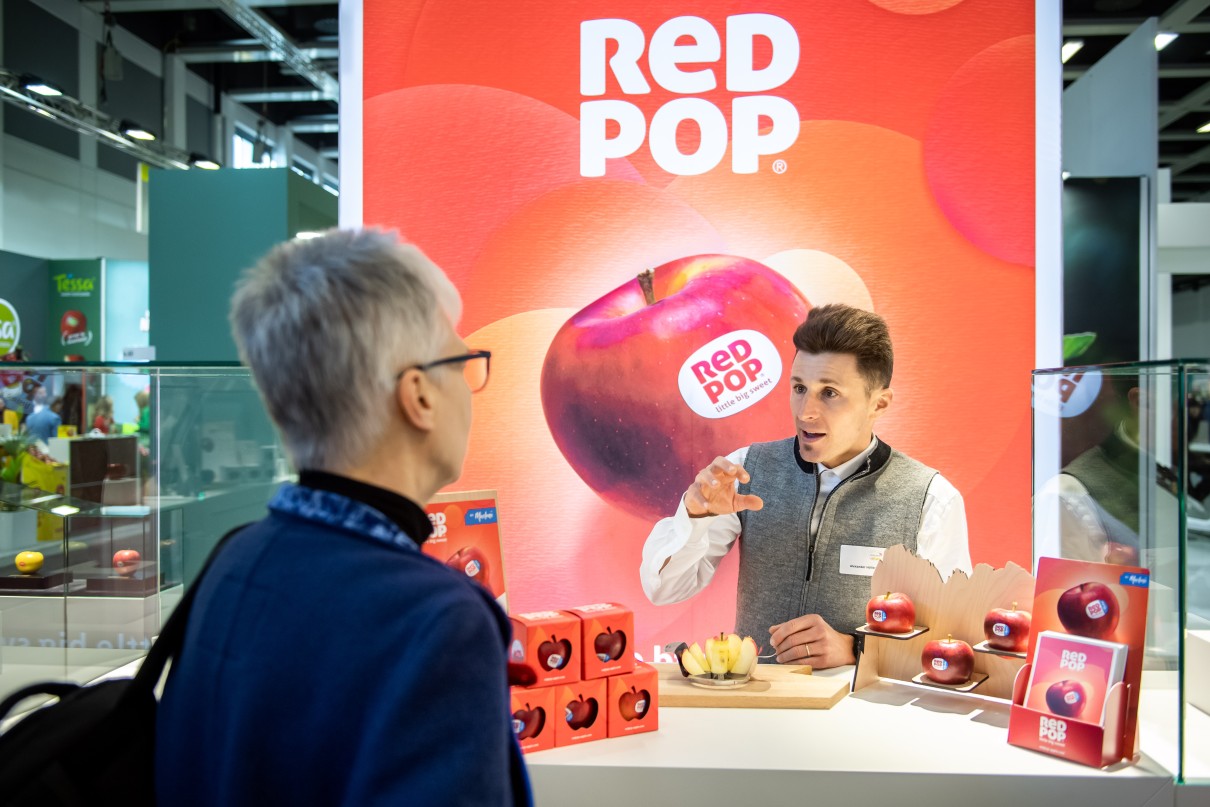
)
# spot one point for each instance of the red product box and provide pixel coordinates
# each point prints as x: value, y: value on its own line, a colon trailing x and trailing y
x: 548, y: 642
x: 1076, y: 604
x: 634, y: 701
x: 534, y: 718
x: 580, y: 712
x: 606, y: 635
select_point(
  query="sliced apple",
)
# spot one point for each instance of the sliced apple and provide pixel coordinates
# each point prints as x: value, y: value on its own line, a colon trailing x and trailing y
x: 718, y: 654
x: 691, y: 665
x: 734, y: 645
x: 695, y: 650
x: 745, y: 658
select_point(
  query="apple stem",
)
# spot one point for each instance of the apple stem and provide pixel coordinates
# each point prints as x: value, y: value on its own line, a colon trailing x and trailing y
x: 645, y: 281
x: 1014, y: 606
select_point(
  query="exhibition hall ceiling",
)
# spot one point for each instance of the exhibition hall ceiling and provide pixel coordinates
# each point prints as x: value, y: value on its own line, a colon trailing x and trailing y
x: 1184, y: 70
x: 224, y: 42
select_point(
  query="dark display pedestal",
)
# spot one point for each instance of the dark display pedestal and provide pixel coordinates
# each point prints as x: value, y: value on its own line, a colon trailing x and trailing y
x: 33, y: 582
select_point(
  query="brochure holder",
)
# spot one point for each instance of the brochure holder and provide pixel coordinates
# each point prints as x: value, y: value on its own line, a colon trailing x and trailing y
x: 1117, y: 738
x: 1087, y: 743
x: 953, y: 607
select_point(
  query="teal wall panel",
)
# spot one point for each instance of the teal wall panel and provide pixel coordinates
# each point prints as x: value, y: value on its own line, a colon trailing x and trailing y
x: 23, y: 284
x: 206, y: 227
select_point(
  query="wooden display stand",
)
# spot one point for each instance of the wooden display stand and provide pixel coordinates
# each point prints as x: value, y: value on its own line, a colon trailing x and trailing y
x: 953, y: 607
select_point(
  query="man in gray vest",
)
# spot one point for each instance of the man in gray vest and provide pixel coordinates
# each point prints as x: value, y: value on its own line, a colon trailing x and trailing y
x: 815, y: 511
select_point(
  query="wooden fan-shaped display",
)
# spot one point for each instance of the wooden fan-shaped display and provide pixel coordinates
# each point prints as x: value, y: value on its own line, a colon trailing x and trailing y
x: 954, y: 607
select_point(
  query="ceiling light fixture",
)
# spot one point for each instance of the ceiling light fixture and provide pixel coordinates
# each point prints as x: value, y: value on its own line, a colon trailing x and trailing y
x: 1205, y: 127
x: 203, y: 162
x: 1164, y: 39
x: 133, y: 130
x: 43, y: 88
x: 1070, y: 48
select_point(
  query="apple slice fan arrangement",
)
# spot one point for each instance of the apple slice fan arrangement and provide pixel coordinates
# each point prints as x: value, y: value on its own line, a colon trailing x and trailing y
x: 587, y: 684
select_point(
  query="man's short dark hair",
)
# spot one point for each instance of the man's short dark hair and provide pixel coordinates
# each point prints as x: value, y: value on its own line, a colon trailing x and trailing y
x: 839, y: 328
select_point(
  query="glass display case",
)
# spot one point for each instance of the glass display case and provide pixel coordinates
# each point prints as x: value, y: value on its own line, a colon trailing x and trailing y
x: 116, y: 480
x: 1121, y: 474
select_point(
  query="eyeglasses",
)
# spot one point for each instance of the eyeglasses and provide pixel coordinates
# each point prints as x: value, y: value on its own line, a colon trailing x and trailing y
x: 476, y: 367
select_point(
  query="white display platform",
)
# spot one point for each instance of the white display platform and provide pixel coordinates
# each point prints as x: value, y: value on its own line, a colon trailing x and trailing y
x: 890, y: 743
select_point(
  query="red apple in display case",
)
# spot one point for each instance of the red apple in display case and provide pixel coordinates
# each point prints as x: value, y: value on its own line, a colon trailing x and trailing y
x: 633, y: 704
x: 1066, y: 698
x: 554, y: 653
x: 642, y: 388
x: 1121, y: 554
x: 1089, y: 609
x: 581, y: 713
x: 609, y: 646
x: 948, y: 661
x: 528, y: 722
x: 470, y: 561
x: 1007, y: 629
x: 126, y: 562
x: 892, y: 612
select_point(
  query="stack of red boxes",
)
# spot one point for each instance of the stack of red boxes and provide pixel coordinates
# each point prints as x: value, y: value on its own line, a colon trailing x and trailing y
x: 589, y: 686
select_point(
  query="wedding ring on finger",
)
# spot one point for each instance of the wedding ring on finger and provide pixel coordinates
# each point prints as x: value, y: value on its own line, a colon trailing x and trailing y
x: 808, y: 647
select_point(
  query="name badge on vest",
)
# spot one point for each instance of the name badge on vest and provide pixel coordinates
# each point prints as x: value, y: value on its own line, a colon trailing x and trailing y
x: 859, y: 559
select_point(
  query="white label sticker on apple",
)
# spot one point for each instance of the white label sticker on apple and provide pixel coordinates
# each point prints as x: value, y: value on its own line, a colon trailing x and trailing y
x: 555, y: 661
x: 940, y: 664
x: 640, y: 707
x: 518, y: 726
x: 1096, y: 609
x: 1071, y: 698
x: 472, y: 568
x: 730, y: 373
x: 1000, y: 629
x: 518, y: 651
x: 879, y: 615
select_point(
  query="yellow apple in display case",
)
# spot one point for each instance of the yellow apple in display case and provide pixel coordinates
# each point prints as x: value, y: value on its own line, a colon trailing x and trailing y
x: 29, y: 562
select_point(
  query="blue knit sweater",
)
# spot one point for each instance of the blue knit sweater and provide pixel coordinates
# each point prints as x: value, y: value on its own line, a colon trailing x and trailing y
x: 324, y: 665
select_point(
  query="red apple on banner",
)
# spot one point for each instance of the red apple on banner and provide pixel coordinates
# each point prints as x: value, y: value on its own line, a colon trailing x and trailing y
x: 528, y: 723
x: 581, y: 713
x: 893, y: 612
x: 1007, y: 629
x: 554, y: 653
x: 609, y: 645
x: 634, y: 704
x: 470, y: 561
x: 1066, y: 698
x: 642, y: 388
x: 126, y: 562
x: 948, y: 661
x: 1089, y: 609
x: 72, y: 323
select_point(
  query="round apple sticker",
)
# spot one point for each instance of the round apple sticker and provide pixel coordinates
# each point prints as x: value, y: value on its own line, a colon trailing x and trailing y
x: 653, y: 380
x: 1089, y: 609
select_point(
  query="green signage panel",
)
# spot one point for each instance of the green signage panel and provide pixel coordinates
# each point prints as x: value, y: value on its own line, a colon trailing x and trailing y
x: 76, y: 300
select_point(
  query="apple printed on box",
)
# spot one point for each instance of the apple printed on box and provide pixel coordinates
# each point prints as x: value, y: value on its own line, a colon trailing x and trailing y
x: 634, y: 701
x: 580, y: 712
x: 533, y: 716
x: 466, y: 537
x: 606, y: 635
x: 1071, y: 676
x: 548, y: 642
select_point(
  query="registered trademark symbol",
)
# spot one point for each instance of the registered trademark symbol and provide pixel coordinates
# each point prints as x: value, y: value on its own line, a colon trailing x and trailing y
x: 779, y: 166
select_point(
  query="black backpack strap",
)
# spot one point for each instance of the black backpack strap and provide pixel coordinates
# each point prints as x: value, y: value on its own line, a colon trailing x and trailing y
x: 56, y: 689
x: 172, y: 635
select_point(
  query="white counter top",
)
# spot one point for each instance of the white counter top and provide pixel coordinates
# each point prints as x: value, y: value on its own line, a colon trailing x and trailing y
x: 889, y: 744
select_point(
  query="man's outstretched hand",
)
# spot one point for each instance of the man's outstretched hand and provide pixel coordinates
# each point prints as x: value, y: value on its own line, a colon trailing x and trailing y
x: 713, y: 490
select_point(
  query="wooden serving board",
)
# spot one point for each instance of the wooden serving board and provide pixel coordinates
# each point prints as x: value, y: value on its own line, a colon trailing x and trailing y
x: 773, y: 686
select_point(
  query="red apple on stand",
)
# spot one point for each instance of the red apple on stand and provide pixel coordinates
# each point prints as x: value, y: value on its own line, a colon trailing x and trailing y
x: 1066, y: 698
x: 893, y: 612
x: 948, y: 661
x: 470, y: 561
x: 609, y: 645
x: 634, y: 704
x: 1007, y: 629
x: 528, y: 722
x: 644, y: 387
x: 554, y: 653
x: 1089, y: 609
x: 581, y: 713
x: 126, y: 562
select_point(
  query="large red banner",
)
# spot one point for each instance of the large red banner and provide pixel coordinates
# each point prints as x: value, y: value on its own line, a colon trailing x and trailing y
x: 763, y: 158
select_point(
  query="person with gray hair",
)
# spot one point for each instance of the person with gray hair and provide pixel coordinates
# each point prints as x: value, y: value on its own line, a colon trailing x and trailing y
x: 327, y: 660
